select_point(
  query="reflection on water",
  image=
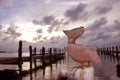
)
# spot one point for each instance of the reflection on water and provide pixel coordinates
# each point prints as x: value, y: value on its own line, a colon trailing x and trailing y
x: 109, y: 71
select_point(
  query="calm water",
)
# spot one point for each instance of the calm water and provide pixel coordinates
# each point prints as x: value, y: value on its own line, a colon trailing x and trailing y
x: 107, y: 72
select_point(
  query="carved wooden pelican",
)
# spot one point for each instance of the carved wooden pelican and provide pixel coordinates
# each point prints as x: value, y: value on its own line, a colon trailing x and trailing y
x: 78, y: 52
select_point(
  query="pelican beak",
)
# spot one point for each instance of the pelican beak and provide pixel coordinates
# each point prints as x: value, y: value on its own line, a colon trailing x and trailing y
x: 65, y: 32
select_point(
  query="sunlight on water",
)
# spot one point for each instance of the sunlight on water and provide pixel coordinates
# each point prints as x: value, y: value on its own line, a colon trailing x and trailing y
x: 13, y: 67
x: 106, y: 72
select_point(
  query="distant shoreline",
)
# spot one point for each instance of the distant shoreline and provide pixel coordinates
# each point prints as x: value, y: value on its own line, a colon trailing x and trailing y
x: 2, y: 52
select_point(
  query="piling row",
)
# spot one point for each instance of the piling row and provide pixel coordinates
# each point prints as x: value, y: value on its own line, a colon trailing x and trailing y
x: 110, y: 51
x: 45, y: 56
x: 113, y: 54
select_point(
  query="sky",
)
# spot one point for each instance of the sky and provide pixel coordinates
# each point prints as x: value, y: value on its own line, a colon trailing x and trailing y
x: 41, y: 22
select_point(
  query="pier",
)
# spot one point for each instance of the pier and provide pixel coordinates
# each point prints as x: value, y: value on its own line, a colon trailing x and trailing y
x: 46, y: 57
x: 113, y: 51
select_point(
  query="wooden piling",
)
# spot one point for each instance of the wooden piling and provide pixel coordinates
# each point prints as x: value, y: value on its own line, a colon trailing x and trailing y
x: 54, y: 56
x: 112, y: 50
x: 30, y: 51
x: 50, y: 51
x: 20, y: 58
x: 43, y: 56
x: 35, y: 64
x: 101, y: 51
x: 117, y: 52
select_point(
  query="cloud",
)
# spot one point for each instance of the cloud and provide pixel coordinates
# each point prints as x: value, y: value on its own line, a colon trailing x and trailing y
x: 36, y: 22
x: 1, y: 1
x: 116, y: 25
x: 0, y: 30
x: 101, y: 34
x: 95, y: 32
x: 48, y: 19
x: 37, y: 38
x: 1, y: 27
x: 58, y: 41
x: 97, y: 24
x: 39, y: 31
x: 76, y: 13
x: 102, y: 9
x: 57, y: 15
x: 11, y: 32
x: 110, y: 2
x: 54, y: 22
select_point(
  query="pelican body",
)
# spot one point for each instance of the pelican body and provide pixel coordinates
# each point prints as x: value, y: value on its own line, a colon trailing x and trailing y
x: 78, y: 52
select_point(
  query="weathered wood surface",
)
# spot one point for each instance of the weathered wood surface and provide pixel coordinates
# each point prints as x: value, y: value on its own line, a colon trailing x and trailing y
x: 14, y: 60
x: 8, y: 60
x: 112, y: 51
x: 47, y: 57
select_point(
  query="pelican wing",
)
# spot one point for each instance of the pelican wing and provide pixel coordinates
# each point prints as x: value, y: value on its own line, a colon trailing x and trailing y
x: 81, y: 53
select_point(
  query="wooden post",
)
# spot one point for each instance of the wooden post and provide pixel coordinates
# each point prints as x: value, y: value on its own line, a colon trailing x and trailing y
x: 43, y: 56
x: 20, y: 58
x: 97, y: 49
x: 101, y: 51
x: 40, y: 55
x: 35, y: 58
x: 118, y: 70
x: 112, y: 50
x: 59, y: 55
x: 50, y: 51
x: 108, y: 52
x: 105, y: 51
x: 117, y: 54
x: 116, y: 51
x: 55, y: 55
x: 30, y: 51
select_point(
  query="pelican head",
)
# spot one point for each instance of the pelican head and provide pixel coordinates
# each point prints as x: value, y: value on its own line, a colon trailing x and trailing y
x: 73, y: 34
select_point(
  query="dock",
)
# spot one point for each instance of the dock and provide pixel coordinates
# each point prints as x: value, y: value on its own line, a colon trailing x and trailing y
x: 47, y: 57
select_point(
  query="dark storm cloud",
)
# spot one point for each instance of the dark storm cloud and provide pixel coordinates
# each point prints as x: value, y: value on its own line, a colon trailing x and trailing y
x: 116, y: 25
x: 39, y: 31
x: 102, y: 33
x: 103, y: 9
x: 52, y: 21
x: 97, y: 24
x: 37, y: 38
x: 57, y: 23
x: 77, y: 12
x: 36, y: 22
x: 61, y: 40
x: 11, y: 31
x: 48, y: 19
x: 110, y: 2
x: 6, y: 38
x: 95, y: 32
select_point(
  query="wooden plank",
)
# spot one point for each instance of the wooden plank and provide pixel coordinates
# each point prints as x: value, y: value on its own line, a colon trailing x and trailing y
x: 7, y: 60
